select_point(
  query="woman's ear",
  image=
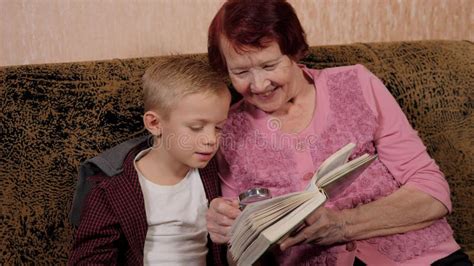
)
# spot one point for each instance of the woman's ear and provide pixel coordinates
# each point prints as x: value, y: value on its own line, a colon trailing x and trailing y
x: 153, y: 123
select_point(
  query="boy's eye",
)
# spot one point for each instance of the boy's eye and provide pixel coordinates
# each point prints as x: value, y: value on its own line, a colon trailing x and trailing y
x: 218, y: 129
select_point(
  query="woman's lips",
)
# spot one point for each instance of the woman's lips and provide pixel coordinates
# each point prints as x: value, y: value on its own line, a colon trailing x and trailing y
x: 265, y: 96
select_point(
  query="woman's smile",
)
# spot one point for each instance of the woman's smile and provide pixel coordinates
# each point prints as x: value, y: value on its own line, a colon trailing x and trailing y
x: 266, y: 95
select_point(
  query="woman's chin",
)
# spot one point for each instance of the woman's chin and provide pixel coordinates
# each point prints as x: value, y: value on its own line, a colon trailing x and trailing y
x: 268, y: 106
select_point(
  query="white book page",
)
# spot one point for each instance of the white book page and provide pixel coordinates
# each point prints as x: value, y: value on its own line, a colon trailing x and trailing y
x: 346, y: 170
x: 258, y: 216
x: 337, y: 159
x: 254, y: 224
x: 275, y: 232
x: 257, y: 207
x: 289, y: 222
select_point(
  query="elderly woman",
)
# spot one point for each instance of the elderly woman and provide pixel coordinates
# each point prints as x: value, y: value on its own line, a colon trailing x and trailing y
x: 291, y: 118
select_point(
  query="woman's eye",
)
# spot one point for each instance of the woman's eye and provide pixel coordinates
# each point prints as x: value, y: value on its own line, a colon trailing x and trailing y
x: 196, y: 129
x: 240, y: 73
x: 269, y: 67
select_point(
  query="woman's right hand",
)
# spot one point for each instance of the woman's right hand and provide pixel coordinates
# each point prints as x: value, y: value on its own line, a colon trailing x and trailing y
x: 220, y: 217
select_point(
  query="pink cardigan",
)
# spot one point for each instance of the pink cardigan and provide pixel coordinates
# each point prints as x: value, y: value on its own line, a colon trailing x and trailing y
x: 351, y: 105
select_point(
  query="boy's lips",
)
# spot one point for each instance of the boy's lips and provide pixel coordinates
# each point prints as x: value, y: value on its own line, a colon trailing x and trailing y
x: 205, y: 156
x: 205, y: 153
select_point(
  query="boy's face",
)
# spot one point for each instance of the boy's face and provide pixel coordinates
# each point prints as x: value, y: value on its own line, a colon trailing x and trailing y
x: 191, y: 133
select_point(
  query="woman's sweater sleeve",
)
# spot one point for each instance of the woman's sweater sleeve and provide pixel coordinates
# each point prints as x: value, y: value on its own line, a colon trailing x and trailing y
x: 398, y: 145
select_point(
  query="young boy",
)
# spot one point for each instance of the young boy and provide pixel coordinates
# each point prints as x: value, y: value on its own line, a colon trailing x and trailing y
x: 153, y: 212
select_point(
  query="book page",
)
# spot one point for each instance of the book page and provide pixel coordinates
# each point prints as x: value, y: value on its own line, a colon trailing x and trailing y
x: 248, y: 255
x: 292, y: 220
x: 345, y: 170
x: 258, y: 216
x: 337, y: 159
x: 256, y: 222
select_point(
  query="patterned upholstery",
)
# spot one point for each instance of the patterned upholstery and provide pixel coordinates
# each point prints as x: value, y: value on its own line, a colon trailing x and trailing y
x: 54, y: 116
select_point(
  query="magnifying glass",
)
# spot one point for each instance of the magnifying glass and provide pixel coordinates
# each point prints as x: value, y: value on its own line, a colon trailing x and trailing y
x: 253, y: 195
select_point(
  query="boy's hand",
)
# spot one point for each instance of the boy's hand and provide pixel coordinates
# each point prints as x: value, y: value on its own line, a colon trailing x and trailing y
x: 220, y: 217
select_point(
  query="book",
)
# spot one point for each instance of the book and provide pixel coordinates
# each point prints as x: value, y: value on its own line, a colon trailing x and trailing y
x: 264, y: 223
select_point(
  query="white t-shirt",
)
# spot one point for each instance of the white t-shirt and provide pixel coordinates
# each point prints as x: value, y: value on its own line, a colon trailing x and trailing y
x: 176, y: 217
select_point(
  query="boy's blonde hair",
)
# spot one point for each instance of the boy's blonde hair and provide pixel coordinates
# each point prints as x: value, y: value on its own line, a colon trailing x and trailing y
x: 171, y: 78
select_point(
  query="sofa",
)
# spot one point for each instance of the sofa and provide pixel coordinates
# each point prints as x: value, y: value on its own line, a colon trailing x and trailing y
x: 54, y: 116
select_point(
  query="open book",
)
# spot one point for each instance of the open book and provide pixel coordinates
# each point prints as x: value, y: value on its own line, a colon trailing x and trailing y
x: 264, y: 223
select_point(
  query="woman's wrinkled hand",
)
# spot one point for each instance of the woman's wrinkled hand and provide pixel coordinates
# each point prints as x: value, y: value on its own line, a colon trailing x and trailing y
x: 323, y: 227
x: 220, y: 217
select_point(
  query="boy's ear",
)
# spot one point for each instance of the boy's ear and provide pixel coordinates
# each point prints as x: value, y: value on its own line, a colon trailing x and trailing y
x: 153, y: 123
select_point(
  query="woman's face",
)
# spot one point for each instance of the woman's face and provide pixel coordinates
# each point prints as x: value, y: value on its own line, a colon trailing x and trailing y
x: 264, y: 77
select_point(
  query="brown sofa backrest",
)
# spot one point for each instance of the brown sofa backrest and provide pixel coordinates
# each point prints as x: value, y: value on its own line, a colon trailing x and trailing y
x: 55, y: 116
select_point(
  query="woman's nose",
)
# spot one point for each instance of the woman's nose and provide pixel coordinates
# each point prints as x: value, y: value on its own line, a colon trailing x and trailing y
x: 259, y: 82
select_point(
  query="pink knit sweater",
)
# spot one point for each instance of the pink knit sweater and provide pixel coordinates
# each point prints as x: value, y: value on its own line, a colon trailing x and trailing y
x: 352, y: 105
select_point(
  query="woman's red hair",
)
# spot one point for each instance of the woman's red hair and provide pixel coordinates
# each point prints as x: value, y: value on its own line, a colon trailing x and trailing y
x: 254, y: 24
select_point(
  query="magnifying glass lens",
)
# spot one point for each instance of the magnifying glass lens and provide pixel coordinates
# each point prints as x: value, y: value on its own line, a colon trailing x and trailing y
x: 253, y: 195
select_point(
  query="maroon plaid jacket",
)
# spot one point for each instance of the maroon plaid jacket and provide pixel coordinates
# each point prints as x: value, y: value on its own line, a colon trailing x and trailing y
x: 113, y: 223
